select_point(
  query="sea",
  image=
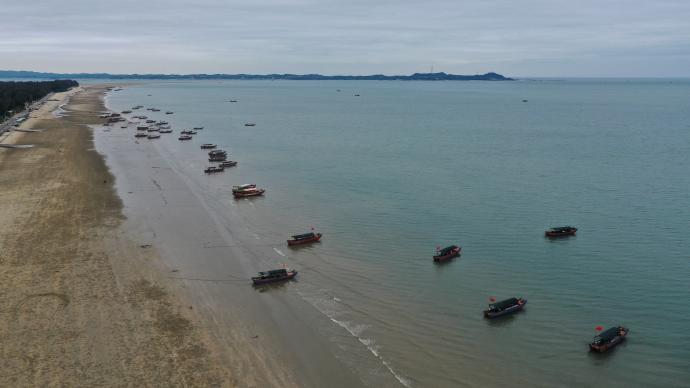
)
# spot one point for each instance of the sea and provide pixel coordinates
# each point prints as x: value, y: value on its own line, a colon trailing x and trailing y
x: 390, y: 170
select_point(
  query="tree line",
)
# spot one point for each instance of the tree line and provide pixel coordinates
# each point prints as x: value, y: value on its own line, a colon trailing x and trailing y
x: 14, y: 95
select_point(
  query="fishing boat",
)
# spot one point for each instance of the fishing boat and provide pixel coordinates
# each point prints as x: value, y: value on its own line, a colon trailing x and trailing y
x: 154, y: 136
x: 560, y: 231
x: 249, y: 125
x: 155, y: 110
x: 140, y: 134
x: 243, y: 187
x: 184, y: 137
x: 162, y: 123
x: 169, y: 113
x: 275, y: 275
x: 123, y: 126
x: 198, y: 128
x: 447, y: 253
x: 142, y: 128
x: 152, y: 130
x: 306, y: 238
x: 208, y: 146
x: 248, y: 193
x: 212, y: 169
x: 608, y: 339
x: 126, y: 111
x: 228, y: 163
x: 150, y: 121
x: 165, y: 131
x: 505, y: 307
x: 233, y: 100
x: 164, y: 126
x: 188, y: 132
x: 218, y: 158
x: 217, y: 152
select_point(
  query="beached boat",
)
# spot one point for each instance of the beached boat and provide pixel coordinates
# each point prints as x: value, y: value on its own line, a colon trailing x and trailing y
x: 208, y: 146
x: 275, y: 275
x: 213, y: 169
x: 184, y: 137
x: 505, y: 307
x: 248, y: 193
x: 141, y: 134
x: 228, y: 163
x: 154, y: 136
x: 447, y: 253
x: 608, y: 339
x: 560, y: 231
x: 306, y: 238
x: 249, y: 125
x: 243, y: 187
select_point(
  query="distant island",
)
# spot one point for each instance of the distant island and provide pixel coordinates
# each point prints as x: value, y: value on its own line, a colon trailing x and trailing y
x: 296, y: 77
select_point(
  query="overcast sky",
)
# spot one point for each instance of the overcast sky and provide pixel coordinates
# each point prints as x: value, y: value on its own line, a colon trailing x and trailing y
x: 515, y: 38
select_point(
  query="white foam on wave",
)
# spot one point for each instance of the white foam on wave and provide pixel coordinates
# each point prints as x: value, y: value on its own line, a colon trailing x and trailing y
x: 279, y: 252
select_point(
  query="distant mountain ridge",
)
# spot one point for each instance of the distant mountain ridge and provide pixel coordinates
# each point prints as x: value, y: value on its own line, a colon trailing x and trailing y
x: 298, y: 77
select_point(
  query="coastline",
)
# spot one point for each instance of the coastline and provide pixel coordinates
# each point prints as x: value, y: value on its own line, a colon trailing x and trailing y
x: 82, y: 303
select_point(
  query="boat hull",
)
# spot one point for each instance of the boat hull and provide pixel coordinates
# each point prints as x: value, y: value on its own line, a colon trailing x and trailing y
x: 314, y: 239
x: 442, y: 258
x: 256, y: 193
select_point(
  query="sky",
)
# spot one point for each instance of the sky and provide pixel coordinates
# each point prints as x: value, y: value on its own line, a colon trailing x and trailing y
x: 539, y: 38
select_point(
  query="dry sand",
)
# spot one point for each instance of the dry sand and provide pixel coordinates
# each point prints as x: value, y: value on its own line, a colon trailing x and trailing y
x: 80, y: 304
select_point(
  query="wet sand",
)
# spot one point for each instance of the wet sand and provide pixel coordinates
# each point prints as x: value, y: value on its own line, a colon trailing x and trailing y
x: 80, y: 303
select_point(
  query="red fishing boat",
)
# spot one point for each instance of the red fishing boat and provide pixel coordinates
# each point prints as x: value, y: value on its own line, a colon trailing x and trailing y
x: 560, y: 231
x: 306, y: 238
x: 447, y: 253
x: 608, y: 339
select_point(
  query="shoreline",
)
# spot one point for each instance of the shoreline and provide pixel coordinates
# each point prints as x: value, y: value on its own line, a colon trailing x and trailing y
x: 82, y: 303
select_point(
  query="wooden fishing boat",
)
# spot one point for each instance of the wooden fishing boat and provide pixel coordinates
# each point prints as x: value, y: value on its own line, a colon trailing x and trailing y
x: 208, y: 146
x: 165, y: 131
x: 560, y: 231
x: 142, y: 128
x: 169, y: 113
x: 154, y: 136
x: 126, y: 112
x: 218, y: 158
x: 184, y: 137
x: 153, y: 130
x: 447, y: 253
x: 198, y: 128
x: 249, y: 125
x: 187, y: 132
x: 275, y: 275
x: 608, y: 339
x: 505, y: 307
x: 217, y: 152
x: 141, y: 134
x: 306, y: 238
x: 214, y: 169
x: 228, y: 163
x: 248, y: 193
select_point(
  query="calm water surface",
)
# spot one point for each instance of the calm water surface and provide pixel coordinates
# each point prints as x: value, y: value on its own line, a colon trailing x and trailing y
x: 407, y: 166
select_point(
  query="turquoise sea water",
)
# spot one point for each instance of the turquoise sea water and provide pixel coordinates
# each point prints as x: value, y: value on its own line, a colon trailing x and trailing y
x: 408, y: 166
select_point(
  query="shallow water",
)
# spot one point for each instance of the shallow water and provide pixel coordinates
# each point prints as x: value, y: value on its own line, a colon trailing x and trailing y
x: 407, y: 166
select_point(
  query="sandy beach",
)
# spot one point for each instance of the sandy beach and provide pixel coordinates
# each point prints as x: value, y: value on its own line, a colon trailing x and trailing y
x: 82, y: 305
